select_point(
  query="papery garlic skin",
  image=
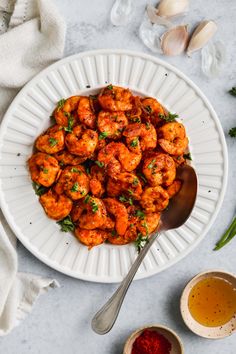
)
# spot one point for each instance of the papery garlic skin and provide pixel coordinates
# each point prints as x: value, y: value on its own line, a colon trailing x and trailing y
x: 171, y: 8
x: 202, y: 34
x: 174, y: 41
x: 121, y: 12
x: 213, y: 58
x: 150, y: 35
x: 153, y: 16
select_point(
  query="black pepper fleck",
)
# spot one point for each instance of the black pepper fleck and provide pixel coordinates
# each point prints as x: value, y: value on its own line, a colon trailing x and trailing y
x: 18, y: 154
x: 166, y: 74
x: 88, y: 86
x: 30, y: 223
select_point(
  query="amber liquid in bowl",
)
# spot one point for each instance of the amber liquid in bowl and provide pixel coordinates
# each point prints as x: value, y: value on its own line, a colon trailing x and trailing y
x: 212, y: 301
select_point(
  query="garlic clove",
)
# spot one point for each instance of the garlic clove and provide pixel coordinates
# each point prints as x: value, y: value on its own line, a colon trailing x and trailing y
x: 152, y: 14
x: 174, y: 41
x: 171, y: 8
x: 202, y: 34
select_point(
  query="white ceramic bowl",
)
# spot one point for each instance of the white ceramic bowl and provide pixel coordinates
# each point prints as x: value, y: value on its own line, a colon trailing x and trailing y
x: 173, y: 338
x: 203, y: 331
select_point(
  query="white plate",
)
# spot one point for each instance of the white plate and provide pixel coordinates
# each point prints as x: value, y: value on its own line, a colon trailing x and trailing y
x: 84, y: 73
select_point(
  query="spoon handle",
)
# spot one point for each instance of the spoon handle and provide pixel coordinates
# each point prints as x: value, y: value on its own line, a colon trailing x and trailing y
x: 105, y: 318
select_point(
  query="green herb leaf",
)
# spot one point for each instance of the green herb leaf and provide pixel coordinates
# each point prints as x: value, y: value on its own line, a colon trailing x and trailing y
x: 39, y: 190
x: 74, y: 169
x: 134, y: 142
x: 148, y: 109
x: 123, y: 199
x: 70, y: 123
x: 66, y: 224
x: 141, y: 175
x: 135, y: 181
x: 135, y: 120
x: 188, y: 156
x: 170, y: 117
x: 94, y: 206
x: 151, y: 165
x: 233, y: 91
x: 75, y: 187
x: 232, y: 132
x: 148, y: 125
x: 45, y: 170
x: 140, y: 241
x: 110, y: 87
x: 52, y: 142
x: 99, y: 163
x: 227, y: 236
x: 60, y: 104
x: 87, y: 199
x: 130, y: 192
x: 102, y: 135
x: 113, y: 233
x: 145, y: 226
x: 140, y: 214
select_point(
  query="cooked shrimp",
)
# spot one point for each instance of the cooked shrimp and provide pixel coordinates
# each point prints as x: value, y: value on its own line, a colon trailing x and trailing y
x: 85, y: 112
x: 114, y: 98
x: 90, y: 213
x: 129, y: 236
x: 97, y: 181
x: 111, y: 124
x: 82, y: 143
x: 91, y: 238
x: 119, y: 212
x: 66, y: 158
x: 153, y: 109
x: 172, y: 138
x: 128, y: 160
x: 159, y: 169
x: 43, y: 169
x: 56, y: 206
x: 174, y: 188
x: 64, y: 111
x: 154, y: 199
x: 74, y: 182
x: 125, y: 183
x: 149, y: 223
x: 134, y: 115
x: 146, y: 133
x: 52, y: 141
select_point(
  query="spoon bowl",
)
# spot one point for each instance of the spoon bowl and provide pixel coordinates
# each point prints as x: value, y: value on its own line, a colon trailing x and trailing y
x: 178, y: 211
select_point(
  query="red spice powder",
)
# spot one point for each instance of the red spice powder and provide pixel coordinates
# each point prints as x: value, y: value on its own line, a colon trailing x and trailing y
x: 151, y: 342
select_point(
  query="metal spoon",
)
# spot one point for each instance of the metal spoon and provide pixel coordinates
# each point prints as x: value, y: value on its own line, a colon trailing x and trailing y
x: 178, y: 211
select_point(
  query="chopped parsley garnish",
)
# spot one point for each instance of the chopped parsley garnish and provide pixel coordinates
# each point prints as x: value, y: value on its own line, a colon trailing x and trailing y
x: 233, y: 91
x: 87, y: 199
x: 130, y: 192
x: 151, y: 165
x: 148, y: 109
x: 110, y: 87
x: 140, y: 242
x: 147, y: 125
x: 141, y: 175
x: 134, y: 142
x: 99, y: 163
x: 39, y: 190
x: 169, y: 118
x: 60, y: 104
x: 188, y: 156
x: 66, y: 224
x: 94, y: 206
x: 135, y: 181
x: 52, y: 142
x: 102, y: 135
x: 123, y: 199
x: 145, y: 226
x: 45, y: 170
x: 135, y: 120
x: 70, y: 122
x: 74, y: 169
x: 75, y: 187
x: 140, y: 214
x: 113, y: 233
x: 232, y: 132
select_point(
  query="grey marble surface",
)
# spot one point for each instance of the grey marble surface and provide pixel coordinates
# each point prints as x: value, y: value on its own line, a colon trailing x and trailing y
x: 60, y: 320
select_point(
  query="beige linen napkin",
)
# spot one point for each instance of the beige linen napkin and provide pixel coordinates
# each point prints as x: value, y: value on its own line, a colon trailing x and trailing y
x: 32, y: 36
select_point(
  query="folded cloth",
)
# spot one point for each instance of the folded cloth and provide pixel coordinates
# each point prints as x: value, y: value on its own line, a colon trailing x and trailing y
x: 32, y: 36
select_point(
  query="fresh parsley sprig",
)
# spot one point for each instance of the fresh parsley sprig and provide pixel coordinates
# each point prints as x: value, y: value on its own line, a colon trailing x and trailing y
x: 140, y: 242
x: 233, y: 91
x: 169, y: 117
x: 39, y: 190
x: 66, y: 224
x: 232, y: 132
x: 227, y: 236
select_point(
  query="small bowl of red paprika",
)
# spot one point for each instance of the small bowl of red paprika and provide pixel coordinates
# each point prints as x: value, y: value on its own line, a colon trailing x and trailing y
x: 153, y: 339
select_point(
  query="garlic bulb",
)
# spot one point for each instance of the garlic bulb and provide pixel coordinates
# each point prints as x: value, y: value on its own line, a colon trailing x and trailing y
x: 152, y: 14
x: 171, y: 8
x: 202, y: 34
x: 174, y: 41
